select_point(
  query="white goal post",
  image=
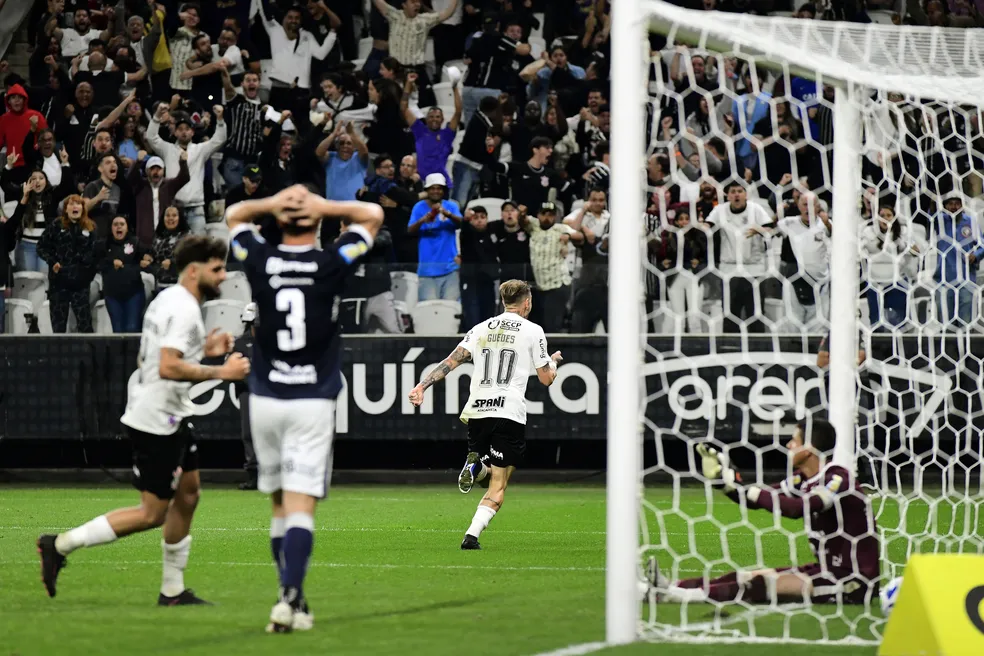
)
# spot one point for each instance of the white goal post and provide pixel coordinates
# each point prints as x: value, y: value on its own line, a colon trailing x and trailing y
x: 942, y: 64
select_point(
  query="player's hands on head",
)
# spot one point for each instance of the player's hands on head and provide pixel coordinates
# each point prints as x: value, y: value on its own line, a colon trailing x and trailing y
x: 299, y: 206
x: 236, y: 367
x: 417, y: 395
x: 218, y: 344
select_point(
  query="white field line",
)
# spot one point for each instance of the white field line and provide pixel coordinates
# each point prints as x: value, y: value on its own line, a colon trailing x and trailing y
x: 268, y: 564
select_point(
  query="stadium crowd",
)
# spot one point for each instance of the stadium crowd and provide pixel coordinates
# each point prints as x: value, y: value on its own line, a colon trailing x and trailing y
x: 481, y: 127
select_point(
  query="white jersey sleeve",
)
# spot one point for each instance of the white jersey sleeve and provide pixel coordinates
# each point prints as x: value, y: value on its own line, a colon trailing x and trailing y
x: 538, y: 346
x: 468, y: 341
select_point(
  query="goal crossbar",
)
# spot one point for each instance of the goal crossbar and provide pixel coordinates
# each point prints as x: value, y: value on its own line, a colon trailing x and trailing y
x: 883, y: 57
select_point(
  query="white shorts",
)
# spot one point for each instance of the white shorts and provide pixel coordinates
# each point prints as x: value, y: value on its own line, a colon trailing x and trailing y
x: 293, y: 439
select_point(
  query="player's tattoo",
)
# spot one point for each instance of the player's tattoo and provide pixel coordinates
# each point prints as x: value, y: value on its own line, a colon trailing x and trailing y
x: 458, y: 356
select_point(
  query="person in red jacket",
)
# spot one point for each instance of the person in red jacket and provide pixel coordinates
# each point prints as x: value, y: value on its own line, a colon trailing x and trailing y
x: 16, y: 123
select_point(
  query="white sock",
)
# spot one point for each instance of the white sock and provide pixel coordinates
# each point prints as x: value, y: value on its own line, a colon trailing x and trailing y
x: 93, y: 532
x: 482, y: 474
x: 175, y: 560
x: 278, y: 527
x: 483, y: 515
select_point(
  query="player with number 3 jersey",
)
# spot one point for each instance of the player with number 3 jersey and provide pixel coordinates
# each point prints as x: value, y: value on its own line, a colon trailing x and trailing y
x: 297, y: 371
x: 506, y: 350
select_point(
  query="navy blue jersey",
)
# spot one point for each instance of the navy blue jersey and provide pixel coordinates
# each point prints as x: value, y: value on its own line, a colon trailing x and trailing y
x: 297, y: 351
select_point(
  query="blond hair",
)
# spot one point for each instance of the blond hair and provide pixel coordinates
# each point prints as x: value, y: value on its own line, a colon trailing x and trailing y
x: 514, y: 292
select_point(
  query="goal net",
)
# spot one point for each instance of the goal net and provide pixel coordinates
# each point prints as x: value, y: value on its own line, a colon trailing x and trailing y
x: 807, y: 183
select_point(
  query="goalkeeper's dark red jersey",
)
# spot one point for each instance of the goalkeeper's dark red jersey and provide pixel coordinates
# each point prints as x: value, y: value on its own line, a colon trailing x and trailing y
x: 837, y: 516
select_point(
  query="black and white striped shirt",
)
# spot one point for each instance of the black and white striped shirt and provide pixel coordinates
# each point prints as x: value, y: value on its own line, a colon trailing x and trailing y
x: 245, y: 120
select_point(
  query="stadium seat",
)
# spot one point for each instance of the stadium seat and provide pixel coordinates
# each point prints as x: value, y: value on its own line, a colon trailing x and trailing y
x: 150, y: 285
x: 101, y: 323
x: 358, y: 64
x: 444, y: 94
x: 32, y: 287
x: 576, y: 205
x: 365, y: 47
x: 537, y: 46
x: 44, y: 320
x: 235, y: 288
x: 436, y: 317
x: 218, y: 230
x: 881, y: 16
x: 15, y: 316
x: 95, y: 289
x: 538, y: 31
x: 224, y: 315
x: 492, y: 205
x: 404, y: 287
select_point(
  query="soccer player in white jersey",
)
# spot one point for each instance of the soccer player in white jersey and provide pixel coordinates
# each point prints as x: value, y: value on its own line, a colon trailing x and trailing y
x: 165, y: 454
x: 296, y: 374
x: 506, y: 350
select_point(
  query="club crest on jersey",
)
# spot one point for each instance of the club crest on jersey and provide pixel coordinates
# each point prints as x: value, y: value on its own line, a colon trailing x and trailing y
x: 350, y: 252
x: 238, y: 251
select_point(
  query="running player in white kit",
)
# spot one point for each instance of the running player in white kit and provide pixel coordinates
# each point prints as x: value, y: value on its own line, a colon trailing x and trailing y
x: 505, y: 349
x: 158, y: 406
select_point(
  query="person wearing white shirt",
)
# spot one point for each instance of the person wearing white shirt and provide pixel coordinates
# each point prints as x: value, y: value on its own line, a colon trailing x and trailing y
x: 76, y: 40
x: 191, y: 198
x: 743, y: 264
x: 293, y: 49
x: 890, y: 251
x: 807, y: 293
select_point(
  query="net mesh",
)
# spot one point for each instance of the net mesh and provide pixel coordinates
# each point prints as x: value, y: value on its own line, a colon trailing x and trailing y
x: 737, y: 276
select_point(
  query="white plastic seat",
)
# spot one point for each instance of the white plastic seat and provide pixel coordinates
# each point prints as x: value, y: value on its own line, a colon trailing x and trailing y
x: 404, y: 286
x: 444, y: 94
x: 537, y: 46
x: 150, y: 285
x: 101, y: 323
x: 95, y: 288
x: 365, y: 47
x: 538, y: 31
x: 224, y: 315
x: 15, y: 316
x: 32, y: 287
x: 44, y: 320
x: 492, y: 205
x: 436, y: 317
x: 218, y: 229
x: 235, y: 287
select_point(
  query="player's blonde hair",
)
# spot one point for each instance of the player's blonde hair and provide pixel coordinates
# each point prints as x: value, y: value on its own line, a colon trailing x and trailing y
x: 514, y: 292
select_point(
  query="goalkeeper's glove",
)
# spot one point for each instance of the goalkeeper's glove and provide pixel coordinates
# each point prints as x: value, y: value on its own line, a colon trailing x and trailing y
x: 714, y: 466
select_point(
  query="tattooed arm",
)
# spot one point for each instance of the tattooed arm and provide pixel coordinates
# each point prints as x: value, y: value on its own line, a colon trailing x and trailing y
x: 449, y: 363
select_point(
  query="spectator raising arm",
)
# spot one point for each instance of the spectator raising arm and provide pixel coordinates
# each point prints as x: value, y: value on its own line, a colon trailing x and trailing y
x: 114, y: 115
x: 456, y: 117
x: 322, y: 150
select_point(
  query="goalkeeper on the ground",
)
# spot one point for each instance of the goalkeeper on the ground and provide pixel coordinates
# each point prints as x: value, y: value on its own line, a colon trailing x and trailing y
x: 838, y: 520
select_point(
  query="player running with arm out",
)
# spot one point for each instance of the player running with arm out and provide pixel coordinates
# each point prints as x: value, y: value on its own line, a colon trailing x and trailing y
x: 839, y: 521
x: 158, y: 407
x: 297, y: 359
x: 505, y: 349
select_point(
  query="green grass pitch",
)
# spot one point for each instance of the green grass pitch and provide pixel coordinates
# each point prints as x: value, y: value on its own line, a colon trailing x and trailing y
x: 387, y: 576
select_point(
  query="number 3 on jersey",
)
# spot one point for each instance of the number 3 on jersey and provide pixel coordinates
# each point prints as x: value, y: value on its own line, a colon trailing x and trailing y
x: 294, y: 337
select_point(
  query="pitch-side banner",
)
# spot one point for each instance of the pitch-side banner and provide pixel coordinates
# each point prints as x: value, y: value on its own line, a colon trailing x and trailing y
x: 75, y: 388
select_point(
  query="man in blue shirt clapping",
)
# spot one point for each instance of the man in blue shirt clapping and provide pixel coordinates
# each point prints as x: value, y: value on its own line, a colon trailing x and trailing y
x: 436, y: 219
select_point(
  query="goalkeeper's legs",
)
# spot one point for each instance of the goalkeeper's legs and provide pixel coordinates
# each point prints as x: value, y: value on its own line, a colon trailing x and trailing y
x: 756, y: 586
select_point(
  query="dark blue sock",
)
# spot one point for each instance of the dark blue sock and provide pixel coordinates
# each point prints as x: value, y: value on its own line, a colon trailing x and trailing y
x: 296, y: 550
x: 276, y: 550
